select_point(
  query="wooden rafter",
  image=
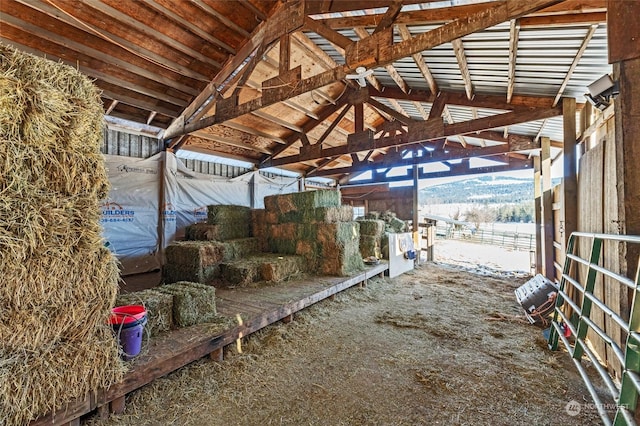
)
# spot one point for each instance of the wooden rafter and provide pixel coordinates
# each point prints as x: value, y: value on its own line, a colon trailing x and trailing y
x: 421, y: 131
x: 252, y: 131
x: 449, y: 118
x: 259, y: 14
x: 461, y: 57
x: 357, y: 53
x: 62, y: 16
x: 203, y: 134
x: 479, y: 100
x: 150, y: 32
x: 276, y: 120
x: 514, y: 35
x: 419, y: 61
x: 191, y: 27
x: 111, y: 106
x: 224, y: 20
x: 567, y: 12
x: 544, y: 123
x: 100, y: 55
x: 576, y: 61
x: 389, y: 111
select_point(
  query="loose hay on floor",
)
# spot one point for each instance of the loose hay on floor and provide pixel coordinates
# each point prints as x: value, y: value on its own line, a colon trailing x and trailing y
x: 397, y: 371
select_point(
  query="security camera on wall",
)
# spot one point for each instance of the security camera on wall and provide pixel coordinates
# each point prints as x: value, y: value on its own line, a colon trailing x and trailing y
x: 601, y: 91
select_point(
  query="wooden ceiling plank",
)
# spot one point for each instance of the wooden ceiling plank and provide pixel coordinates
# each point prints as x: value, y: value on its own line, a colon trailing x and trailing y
x: 231, y: 142
x: 188, y: 25
x: 578, y: 10
x: 252, y: 131
x: 138, y: 103
x: 586, y: 18
x: 303, y: 42
x: 419, y: 61
x: 220, y: 18
x: 152, y: 115
x: 148, y: 31
x: 461, y: 57
x: 276, y: 120
x: 143, y: 53
x: 259, y: 14
x: 97, y: 54
x: 326, y: 32
x: 514, y: 35
x: 575, y: 62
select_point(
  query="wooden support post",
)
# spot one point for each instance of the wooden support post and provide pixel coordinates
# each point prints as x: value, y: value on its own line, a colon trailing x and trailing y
x: 570, y: 179
x: 217, y: 355
x: 416, y: 215
x: 118, y: 405
x: 623, y: 32
x: 332, y: 297
x: 74, y: 422
x: 547, y: 211
x: 537, y: 193
x: 287, y: 319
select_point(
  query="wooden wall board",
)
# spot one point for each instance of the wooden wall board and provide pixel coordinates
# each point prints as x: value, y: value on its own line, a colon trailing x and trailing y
x: 590, y: 214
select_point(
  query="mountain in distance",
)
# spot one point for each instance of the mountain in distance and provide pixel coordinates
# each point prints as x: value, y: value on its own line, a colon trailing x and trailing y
x: 481, y: 190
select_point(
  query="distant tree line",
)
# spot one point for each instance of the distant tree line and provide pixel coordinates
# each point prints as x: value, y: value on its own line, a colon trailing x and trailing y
x: 514, y: 212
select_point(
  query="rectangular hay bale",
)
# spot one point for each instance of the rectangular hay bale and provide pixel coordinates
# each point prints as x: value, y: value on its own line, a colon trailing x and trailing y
x: 240, y: 273
x: 341, y: 260
x: 204, y: 232
x: 192, y: 304
x: 334, y: 214
x: 370, y: 246
x: 234, y: 221
x: 159, y: 308
x: 281, y: 268
x: 371, y: 227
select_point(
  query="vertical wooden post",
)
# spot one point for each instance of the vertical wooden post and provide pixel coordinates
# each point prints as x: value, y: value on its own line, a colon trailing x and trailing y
x: 285, y: 50
x: 570, y: 179
x: 624, y: 53
x: 118, y: 405
x: 217, y: 355
x: 416, y: 216
x: 537, y: 192
x: 547, y: 212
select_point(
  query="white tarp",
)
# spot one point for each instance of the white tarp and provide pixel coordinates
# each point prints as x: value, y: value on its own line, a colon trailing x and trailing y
x: 190, y: 193
x: 137, y: 201
x: 130, y: 213
x: 272, y: 186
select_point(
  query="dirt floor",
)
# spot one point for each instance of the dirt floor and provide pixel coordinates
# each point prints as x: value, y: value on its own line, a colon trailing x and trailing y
x: 438, y: 345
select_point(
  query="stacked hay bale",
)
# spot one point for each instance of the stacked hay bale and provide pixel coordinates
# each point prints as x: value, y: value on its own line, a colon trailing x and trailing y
x: 193, y: 303
x: 57, y: 281
x: 225, y: 237
x: 371, y: 232
x: 315, y: 226
x: 159, y: 307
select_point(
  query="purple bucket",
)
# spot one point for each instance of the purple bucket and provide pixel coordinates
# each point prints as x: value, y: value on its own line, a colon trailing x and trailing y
x: 130, y: 337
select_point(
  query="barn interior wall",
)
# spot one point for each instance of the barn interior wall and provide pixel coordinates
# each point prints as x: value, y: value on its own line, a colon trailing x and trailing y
x: 397, y: 200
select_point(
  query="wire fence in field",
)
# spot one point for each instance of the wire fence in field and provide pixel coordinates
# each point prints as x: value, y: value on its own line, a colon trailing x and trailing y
x: 513, y: 240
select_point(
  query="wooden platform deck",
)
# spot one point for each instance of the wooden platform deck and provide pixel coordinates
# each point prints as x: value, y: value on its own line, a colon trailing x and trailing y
x: 258, y: 307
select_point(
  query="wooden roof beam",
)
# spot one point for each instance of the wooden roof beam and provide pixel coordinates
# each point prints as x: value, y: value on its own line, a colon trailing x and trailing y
x: 148, y: 31
x: 60, y: 15
x: 420, y: 131
x: 191, y: 27
x: 569, y: 12
x: 419, y: 61
x: 203, y: 134
x: 363, y: 53
x: 253, y: 131
x: 224, y: 20
x: 461, y: 57
x: 318, y: 7
x: 575, y: 62
x: 514, y: 35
